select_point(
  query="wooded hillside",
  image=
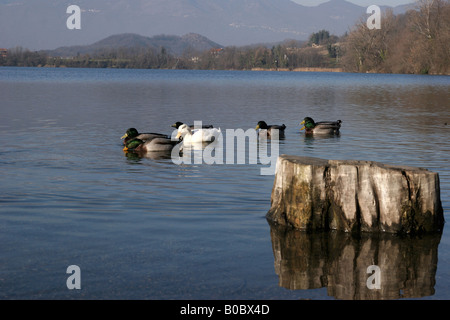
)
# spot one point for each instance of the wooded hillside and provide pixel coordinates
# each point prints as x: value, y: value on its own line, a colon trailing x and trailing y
x: 417, y: 42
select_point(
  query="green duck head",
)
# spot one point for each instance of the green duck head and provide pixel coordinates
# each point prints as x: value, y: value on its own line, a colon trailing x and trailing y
x: 130, y: 134
x: 261, y: 125
x: 177, y: 124
x: 308, y: 123
x: 132, y: 145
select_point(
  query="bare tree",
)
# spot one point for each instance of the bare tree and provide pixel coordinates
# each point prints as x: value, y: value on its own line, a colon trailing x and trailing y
x: 415, y: 42
x: 366, y: 48
x: 426, y: 19
x: 430, y: 50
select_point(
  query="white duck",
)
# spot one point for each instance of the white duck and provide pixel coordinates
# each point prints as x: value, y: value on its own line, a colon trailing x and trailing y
x: 198, y: 136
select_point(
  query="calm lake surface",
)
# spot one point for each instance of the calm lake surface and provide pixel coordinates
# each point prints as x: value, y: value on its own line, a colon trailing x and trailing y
x: 147, y: 228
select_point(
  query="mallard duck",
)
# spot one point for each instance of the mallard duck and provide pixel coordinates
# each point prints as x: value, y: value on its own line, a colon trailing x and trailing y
x: 132, y: 133
x: 266, y: 129
x: 322, y: 127
x: 151, y: 145
x: 178, y: 124
x: 201, y: 135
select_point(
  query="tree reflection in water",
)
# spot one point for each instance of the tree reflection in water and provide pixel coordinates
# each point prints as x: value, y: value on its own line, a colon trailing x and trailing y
x: 339, y: 262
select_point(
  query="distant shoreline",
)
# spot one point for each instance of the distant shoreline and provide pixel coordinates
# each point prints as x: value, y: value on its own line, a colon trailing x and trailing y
x: 305, y: 69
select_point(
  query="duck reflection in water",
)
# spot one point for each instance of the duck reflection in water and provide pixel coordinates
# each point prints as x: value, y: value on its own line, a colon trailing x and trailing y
x: 339, y: 262
x: 150, y: 155
x: 323, y: 140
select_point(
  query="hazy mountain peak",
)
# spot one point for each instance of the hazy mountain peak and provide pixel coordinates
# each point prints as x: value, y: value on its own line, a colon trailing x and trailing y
x: 232, y: 22
x: 175, y: 45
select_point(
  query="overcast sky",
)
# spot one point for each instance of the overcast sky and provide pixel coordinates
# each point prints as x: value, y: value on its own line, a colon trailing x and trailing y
x: 364, y: 3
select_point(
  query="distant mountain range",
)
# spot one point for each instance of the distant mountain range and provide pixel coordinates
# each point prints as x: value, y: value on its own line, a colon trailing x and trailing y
x: 174, y: 45
x: 41, y: 24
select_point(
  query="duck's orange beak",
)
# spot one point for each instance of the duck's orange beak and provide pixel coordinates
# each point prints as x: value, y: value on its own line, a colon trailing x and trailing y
x: 124, y: 136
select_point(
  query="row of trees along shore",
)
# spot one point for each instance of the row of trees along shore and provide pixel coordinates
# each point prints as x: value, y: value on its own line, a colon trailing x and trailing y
x: 416, y: 42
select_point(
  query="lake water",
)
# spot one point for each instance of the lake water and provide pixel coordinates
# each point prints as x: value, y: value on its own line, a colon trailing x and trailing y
x: 147, y: 228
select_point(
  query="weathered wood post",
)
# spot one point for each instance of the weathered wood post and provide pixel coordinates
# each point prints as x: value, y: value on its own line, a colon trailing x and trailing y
x: 353, y: 196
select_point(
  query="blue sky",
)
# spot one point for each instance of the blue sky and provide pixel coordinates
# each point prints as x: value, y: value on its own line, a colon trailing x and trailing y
x: 364, y: 3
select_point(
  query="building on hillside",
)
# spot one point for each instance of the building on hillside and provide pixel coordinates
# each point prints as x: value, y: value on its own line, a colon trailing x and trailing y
x: 215, y: 51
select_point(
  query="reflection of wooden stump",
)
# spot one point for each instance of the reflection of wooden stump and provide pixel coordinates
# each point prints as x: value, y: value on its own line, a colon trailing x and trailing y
x: 347, y: 195
x: 339, y: 261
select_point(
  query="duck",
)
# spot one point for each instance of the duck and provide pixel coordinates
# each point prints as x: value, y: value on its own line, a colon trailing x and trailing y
x: 132, y: 133
x: 205, y: 126
x: 156, y: 144
x: 267, y: 129
x: 322, y: 127
x: 199, y: 136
